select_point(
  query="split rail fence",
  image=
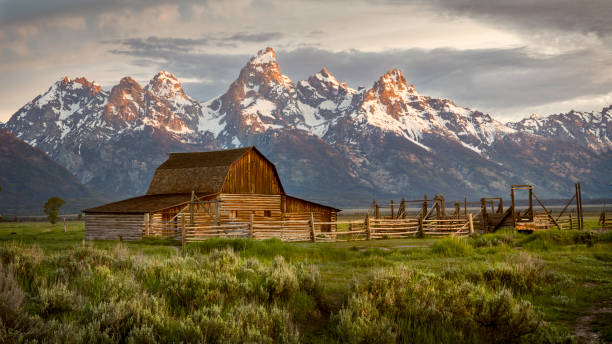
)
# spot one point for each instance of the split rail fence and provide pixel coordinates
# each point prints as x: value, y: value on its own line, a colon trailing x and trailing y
x: 309, y: 230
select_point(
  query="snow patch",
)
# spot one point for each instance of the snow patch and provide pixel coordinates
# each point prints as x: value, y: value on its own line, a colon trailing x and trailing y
x: 262, y: 107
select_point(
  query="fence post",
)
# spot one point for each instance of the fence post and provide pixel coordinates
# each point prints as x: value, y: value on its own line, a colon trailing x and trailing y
x: 217, y: 211
x: 368, y: 228
x: 312, y: 228
x: 251, y: 226
x: 471, y: 223
x: 147, y: 224
x: 191, y: 207
x: 183, y: 229
x: 64, y: 224
x: 421, y: 228
x: 392, y: 210
x: 443, y: 205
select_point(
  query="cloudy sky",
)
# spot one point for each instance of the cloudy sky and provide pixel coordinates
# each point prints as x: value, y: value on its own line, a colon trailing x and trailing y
x: 507, y: 58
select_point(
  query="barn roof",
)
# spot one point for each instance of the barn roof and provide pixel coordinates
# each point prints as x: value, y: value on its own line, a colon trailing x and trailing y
x: 145, y: 204
x: 204, y: 172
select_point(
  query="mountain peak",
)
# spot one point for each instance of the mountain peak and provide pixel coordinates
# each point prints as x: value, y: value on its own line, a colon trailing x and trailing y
x: 394, y: 81
x: 165, y: 75
x: 164, y: 84
x: 78, y: 83
x: 262, y: 69
x: 125, y: 100
x: 264, y: 56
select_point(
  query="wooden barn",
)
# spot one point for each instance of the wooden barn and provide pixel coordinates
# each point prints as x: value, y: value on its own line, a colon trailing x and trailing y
x: 205, y: 188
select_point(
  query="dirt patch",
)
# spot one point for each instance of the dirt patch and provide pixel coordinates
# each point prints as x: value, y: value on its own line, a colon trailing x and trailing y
x: 584, y: 330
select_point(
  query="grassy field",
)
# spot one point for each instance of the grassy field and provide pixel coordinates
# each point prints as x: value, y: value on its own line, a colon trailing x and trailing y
x: 548, y: 287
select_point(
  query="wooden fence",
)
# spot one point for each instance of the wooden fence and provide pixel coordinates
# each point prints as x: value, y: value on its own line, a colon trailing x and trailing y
x: 309, y: 230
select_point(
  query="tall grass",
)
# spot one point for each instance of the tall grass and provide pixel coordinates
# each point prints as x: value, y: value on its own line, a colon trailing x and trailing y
x: 452, y: 247
x: 405, y: 305
x: 268, y: 291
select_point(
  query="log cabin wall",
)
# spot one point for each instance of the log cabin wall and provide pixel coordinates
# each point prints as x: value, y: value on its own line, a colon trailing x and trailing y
x: 298, y: 209
x: 113, y: 226
x: 240, y: 206
x: 252, y: 174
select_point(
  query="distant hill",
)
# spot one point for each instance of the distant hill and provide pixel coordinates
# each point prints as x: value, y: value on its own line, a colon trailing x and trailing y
x: 29, y: 177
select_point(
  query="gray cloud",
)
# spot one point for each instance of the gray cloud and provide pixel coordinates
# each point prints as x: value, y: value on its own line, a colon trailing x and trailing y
x: 26, y: 10
x: 157, y: 44
x: 255, y: 37
x: 154, y: 43
x: 585, y: 16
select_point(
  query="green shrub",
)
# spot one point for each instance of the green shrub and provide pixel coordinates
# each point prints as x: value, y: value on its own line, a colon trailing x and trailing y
x: 492, y: 240
x: 402, y: 305
x: 522, y: 274
x: 452, y: 247
x: 15, y: 324
x: 281, y: 280
x: 547, y: 239
x: 55, y: 301
x: 500, y: 318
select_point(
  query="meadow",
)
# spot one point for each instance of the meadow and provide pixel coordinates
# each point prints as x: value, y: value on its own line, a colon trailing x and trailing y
x: 547, y: 287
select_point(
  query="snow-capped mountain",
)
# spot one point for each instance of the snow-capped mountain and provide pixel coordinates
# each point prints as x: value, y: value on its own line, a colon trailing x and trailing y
x: 328, y: 140
x: 110, y: 140
x: 589, y: 129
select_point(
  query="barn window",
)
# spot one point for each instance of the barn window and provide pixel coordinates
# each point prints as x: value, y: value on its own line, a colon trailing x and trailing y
x: 268, y: 213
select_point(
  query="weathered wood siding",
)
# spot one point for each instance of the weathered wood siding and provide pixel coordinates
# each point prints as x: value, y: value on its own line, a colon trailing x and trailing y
x: 296, y: 205
x: 113, y: 226
x: 299, y: 209
x: 242, y: 205
x: 265, y: 209
x: 252, y: 174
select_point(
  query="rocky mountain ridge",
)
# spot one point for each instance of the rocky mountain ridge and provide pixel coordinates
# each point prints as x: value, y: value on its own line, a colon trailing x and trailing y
x: 329, y: 141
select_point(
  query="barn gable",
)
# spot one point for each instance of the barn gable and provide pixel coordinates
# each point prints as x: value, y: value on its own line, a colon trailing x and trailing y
x: 242, y: 170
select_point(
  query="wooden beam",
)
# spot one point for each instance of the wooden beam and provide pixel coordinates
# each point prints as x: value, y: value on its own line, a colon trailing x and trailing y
x: 581, y: 214
x: 546, y: 210
x: 183, y: 232
x: 430, y: 210
x: 191, y: 207
x: 147, y: 221
x: 531, y: 215
x: 471, y: 223
x: 503, y: 219
x: 217, y: 211
x: 565, y: 208
x: 484, y: 219
x: 421, y: 230
x: 368, y: 226
x: 443, y: 205
x: 312, y: 228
